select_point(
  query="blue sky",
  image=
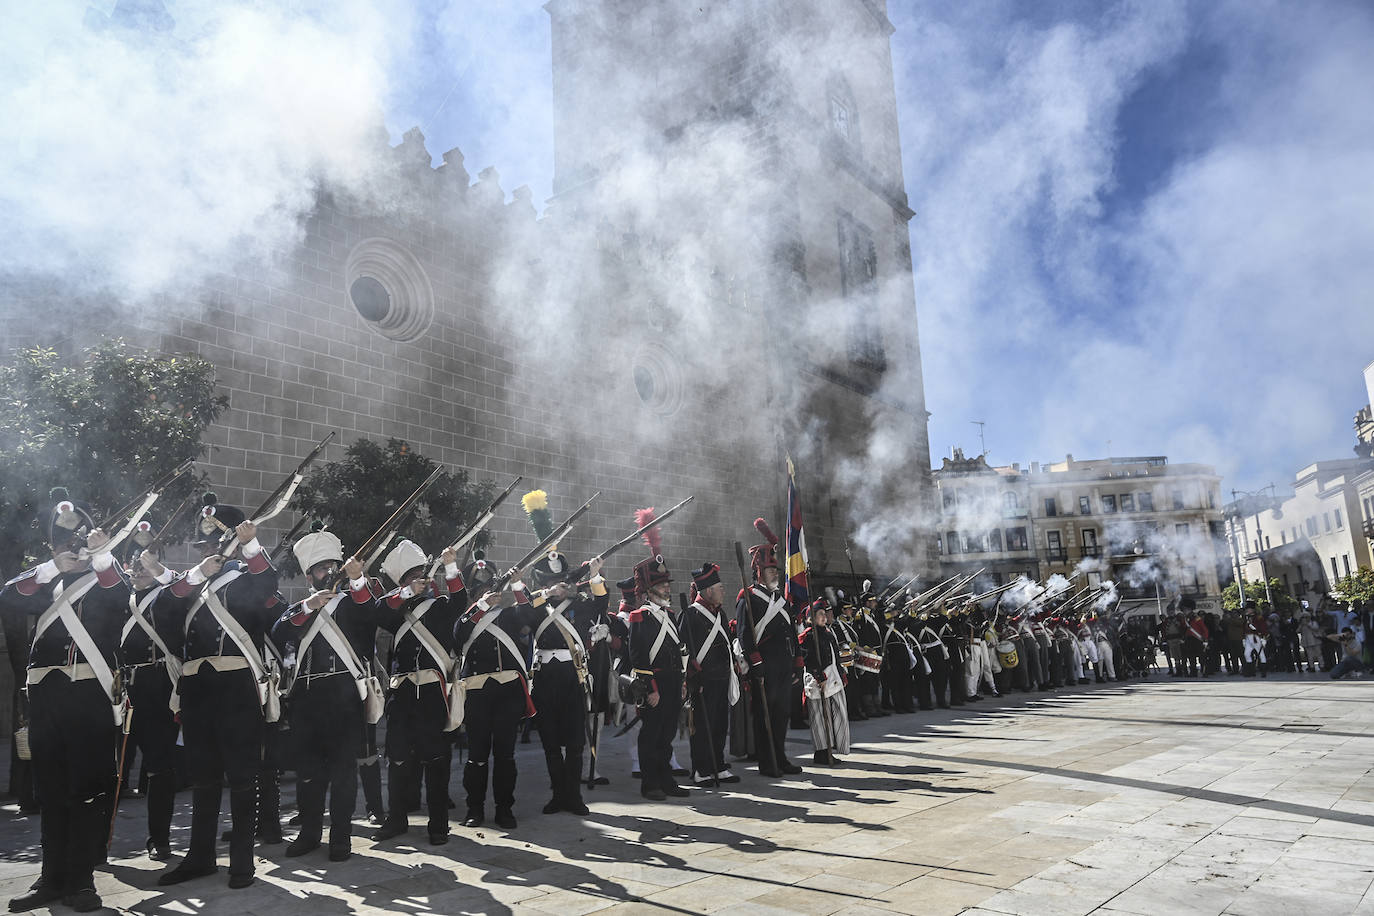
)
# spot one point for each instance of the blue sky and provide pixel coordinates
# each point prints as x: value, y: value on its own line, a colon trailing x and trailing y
x: 1141, y: 227
x: 1143, y: 223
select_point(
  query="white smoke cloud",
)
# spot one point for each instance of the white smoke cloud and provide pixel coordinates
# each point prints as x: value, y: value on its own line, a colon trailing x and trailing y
x: 140, y: 158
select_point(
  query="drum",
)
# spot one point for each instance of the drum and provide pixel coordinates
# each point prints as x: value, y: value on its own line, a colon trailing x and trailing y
x: 1006, y: 654
x: 847, y: 656
x: 870, y: 661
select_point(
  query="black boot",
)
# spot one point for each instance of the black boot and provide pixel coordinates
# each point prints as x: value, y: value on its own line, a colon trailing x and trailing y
x: 436, y: 798
x: 475, y: 785
x: 161, y: 800
x: 503, y: 792
x: 572, y: 785
x: 553, y: 759
x: 398, y: 776
x: 269, y: 806
x: 243, y: 812
x: 370, y: 777
x: 200, y: 857
x: 310, y: 794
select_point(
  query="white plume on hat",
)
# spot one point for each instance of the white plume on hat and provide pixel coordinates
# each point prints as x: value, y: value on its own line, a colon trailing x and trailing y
x: 404, y: 557
x: 317, y: 547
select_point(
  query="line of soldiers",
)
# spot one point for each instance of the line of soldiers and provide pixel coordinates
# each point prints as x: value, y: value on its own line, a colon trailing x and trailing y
x: 214, y: 655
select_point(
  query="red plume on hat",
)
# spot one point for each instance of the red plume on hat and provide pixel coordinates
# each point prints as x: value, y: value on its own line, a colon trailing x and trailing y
x: 653, y: 536
x: 652, y: 571
x: 763, y: 556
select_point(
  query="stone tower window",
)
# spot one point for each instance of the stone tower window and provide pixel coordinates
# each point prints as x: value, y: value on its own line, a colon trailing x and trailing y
x: 389, y: 289
x: 843, y: 111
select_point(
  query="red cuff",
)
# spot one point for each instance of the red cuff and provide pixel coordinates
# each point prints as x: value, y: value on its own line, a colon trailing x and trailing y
x: 181, y: 588
x: 394, y: 600
x: 274, y: 600
x: 477, y: 615
x: 258, y: 563
x: 361, y: 595
x: 755, y: 658
x: 109, y: 576
x: 300, y: 617
x: 455, y: 585
x: 27, y: 585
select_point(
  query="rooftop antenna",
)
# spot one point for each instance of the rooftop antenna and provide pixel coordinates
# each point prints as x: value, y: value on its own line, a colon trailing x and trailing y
x: 982, y: 443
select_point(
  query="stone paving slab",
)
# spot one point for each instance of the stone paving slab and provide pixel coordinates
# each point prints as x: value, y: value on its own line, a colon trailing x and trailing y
x: 1218, y: 796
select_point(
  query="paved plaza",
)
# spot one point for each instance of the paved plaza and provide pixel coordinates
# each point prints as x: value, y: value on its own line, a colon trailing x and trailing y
x: 1225, y: 795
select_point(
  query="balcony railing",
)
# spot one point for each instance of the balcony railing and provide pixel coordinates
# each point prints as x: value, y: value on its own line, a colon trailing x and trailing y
x: 1056, y: 555
x: 1092, y: 550
x: 1369, y: 528
x: 1195, y: 591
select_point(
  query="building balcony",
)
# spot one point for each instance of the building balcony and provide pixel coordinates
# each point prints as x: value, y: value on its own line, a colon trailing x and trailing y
x: 1093, y: 550
x: 1194, y: 591
x: 1056, y: 555
x: 1368, y: 528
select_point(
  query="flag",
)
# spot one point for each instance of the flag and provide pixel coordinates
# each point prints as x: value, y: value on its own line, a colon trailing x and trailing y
x: 795, y: 590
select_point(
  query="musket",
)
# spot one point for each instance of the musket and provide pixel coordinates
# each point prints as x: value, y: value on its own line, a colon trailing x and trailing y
x: 996, y: 591
x: 476, y: 527
x: 156, y: 539
x: 893, y: 588
x: 277, y: 500
x: 389, y: 527
x: 629, y: 538
x: 852, y: 574
x: 138, y: 507
x: 286, y: 539
x: 529, y: 559
x: 932, y: 591
x: 760, y: 697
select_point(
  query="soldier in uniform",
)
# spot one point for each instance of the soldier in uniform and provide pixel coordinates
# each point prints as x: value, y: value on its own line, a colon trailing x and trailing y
x: 417, y: 711
x: 932, y: 679
x: 223, y: 688
x: 711, y: 676
x: 80, y: 597
x: 870, y: 638
x: 824, y: 686
x: 150, y: 645
x: 496, y: 681
x: 659, y: 660
x: 849, y: 642
x: 897, y: 674
x: 562, y: 689
x: 768, y: 638
x: 329, y: 635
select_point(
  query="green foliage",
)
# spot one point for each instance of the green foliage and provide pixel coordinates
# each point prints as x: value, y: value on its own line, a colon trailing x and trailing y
x: 1254, y: 591
x: 1357, y: 589
x: 105, y: 427
x: 356, y: 495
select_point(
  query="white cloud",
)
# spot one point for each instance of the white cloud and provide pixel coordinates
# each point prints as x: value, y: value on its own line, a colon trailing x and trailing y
x: 1245, y: 303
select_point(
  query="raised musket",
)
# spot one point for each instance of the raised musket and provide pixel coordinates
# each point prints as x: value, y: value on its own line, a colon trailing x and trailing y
x: 383, y: 535
x: 629, y: 538
x: 134, y: 511
x: 476, y: 527
x: 528, y: 560
x: 276, y: 501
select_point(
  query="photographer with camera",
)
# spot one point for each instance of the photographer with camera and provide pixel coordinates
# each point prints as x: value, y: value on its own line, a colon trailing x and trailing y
x: 1351, y: 658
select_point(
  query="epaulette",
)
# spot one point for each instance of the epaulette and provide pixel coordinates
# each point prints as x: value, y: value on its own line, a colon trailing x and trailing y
x: 637, y: 615
x: 801, y: 637
x: 740, y: 596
